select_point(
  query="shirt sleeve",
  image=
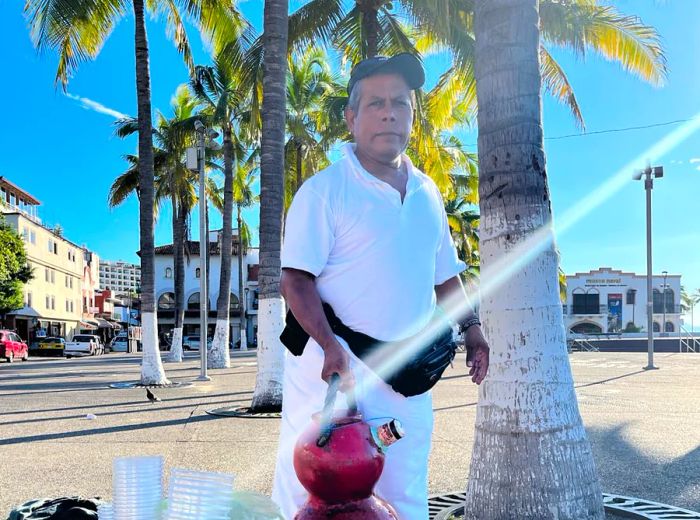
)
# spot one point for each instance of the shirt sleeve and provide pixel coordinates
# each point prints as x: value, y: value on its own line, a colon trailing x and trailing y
x: 447, y: 263
x: 309, y: 232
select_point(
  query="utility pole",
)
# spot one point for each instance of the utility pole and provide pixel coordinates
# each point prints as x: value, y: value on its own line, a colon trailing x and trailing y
x: 649, y: 173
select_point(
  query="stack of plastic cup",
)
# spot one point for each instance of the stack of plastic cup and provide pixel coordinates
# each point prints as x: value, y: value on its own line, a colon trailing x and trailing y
x: 199, y: 495
x: 137, y: 488
x: 104, y: 511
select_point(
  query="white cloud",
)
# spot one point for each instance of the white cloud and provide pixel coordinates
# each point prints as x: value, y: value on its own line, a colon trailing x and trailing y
x: 89, y: 104
x: 695, y: 160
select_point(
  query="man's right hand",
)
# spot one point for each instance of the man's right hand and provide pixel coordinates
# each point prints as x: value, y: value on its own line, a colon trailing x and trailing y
x: 337, y: 361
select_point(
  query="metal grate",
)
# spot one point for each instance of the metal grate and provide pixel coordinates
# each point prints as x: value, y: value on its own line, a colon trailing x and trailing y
x: 440, y: 507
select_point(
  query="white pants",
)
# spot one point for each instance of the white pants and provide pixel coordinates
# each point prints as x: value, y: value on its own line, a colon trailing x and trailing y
x: 404, y: 481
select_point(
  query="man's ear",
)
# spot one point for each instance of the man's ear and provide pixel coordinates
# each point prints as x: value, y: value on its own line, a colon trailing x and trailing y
x: 349, y: 118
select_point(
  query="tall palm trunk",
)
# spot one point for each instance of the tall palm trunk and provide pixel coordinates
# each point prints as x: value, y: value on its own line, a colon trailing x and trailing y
x: 178, y: 277
x: 152, y: 372
x: 531, y: 458
x: 268, y: 383
x: 370, y: 25
x: 243, y: 309
x: 219, y: 356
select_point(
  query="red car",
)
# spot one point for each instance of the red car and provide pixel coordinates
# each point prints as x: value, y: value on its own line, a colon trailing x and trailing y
x: 12, y: 346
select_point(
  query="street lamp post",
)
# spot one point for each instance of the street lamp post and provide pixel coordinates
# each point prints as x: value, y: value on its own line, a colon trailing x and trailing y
x: 663, y: 290
x: 649, y: 173
x: 244, y: 322
x: 202, y: 135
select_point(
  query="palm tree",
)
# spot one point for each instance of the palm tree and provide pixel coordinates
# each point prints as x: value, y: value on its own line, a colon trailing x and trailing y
x: 370, y: 27
x: 243, y: 197
x: 688, y: 303
x: 309, y: 84
x: 78, y: 30
x: 220, y: 90
x: 268, y: 382
x: 529, y: 436
x: 174, y: 182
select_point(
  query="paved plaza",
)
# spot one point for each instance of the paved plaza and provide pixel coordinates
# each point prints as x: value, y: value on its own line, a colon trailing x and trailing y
x: 644, y: 425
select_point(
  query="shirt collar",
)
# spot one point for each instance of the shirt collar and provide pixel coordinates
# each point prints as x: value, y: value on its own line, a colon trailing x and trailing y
x: 348, y: 149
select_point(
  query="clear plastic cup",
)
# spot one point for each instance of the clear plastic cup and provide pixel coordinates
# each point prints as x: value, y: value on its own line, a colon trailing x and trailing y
x: 199, y: 495
x: 105, y: 511
x: 137, y: 488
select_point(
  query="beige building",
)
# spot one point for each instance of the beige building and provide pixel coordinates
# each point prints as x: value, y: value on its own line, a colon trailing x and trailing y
x: 53, y: 300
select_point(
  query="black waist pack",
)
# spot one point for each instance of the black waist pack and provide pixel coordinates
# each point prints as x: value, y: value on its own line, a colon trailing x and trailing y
x: 411, y: 366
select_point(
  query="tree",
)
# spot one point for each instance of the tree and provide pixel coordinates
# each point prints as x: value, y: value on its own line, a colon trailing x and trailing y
x: 268, y: 382
x: 309, y: 83
x: 224, y: 97
x: 78, y: 30
x: 174, y: 182
x: 531, y: 458
x: 14, y: 270
x: 688, y: 303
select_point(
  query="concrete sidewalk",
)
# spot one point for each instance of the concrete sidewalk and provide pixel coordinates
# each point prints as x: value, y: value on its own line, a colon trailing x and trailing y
x: 644, y: 426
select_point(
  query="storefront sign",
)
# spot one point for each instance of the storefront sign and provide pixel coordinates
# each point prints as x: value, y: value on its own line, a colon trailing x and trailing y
x: 604, y: 282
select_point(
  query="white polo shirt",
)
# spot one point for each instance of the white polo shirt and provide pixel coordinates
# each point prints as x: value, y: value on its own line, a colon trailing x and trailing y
x: 376, y: 259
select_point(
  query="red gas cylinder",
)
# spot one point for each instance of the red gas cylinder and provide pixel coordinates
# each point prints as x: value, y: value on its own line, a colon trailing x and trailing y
x: 339, y: 459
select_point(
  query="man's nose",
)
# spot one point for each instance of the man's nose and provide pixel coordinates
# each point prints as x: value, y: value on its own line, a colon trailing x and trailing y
x: 389, y: 114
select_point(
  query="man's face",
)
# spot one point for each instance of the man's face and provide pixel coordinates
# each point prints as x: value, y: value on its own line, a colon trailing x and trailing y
x: 381, y: 124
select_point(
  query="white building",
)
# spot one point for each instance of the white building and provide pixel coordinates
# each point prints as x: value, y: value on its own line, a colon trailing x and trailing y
x: 119, y: 277
x: 610, y: 301
x: 165, y: 288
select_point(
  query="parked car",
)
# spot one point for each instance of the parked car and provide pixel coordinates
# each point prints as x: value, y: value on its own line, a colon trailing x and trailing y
x: 82, y: 344
x: 12, y: 346
x: 51, y: 347
x: 192, y: 343
x: 119, y: 344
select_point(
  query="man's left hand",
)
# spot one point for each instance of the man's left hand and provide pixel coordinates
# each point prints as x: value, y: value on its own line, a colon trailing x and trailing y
x: 477, y: 353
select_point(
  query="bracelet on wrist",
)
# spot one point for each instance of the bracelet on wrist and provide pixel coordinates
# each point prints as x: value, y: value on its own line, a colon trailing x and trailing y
x: 468, y: 323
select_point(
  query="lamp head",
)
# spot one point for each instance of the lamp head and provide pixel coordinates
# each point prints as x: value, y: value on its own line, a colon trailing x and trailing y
x: 199, y: 126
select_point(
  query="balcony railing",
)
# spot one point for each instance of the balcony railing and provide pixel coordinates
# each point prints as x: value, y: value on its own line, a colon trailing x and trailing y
x: 583, y: 310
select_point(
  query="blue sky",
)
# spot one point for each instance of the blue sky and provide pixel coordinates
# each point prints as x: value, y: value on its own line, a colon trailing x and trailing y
x: 61, y: 147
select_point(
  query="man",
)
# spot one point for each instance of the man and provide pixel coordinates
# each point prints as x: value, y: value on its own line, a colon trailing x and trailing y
x: 369, y: 236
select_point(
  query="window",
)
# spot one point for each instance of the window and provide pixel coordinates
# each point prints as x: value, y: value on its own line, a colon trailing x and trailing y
x: 53, y: 276
x: 656, y: 327
x: 32, y: 237
x: 586, y: 328
x: 669, y: 327
x: 234, y: 305
x: 72, y: 306
x: 67, y: 306
x: 50, y: 246
x: 586, y: 303
x: 66, y: 280
x: 168, y: 273
x: 197, y: 272
x: 70, y: 279
x: 193, y: 302
x: 46, y: 275
x: 166, y: 302
x: 48, y: 302
x: 53, y: 303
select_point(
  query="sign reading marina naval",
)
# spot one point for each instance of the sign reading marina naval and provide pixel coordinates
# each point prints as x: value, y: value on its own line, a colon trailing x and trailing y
x: 604, y: 282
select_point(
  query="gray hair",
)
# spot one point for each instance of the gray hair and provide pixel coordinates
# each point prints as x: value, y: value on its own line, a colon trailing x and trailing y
x: 354, y: 98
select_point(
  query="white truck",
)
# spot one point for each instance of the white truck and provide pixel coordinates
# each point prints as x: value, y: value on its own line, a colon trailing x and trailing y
x: 83, y: 344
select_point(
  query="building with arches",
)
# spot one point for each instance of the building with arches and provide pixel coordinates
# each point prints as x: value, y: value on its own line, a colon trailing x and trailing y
x: 608, y: 301
x: 165, y: 288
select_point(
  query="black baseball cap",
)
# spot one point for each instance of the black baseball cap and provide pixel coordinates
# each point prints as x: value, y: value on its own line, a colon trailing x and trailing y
x: 405, y: 64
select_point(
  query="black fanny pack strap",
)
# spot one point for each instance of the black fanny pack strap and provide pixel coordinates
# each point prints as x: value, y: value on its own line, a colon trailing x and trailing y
x: 417, y: 376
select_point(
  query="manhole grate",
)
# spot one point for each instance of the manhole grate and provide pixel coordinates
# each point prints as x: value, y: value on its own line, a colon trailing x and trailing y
x: 243, y: 412
x: 441, y: 507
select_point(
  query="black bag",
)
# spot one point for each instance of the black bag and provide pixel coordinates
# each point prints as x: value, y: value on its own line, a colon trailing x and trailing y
x: 412, y: 376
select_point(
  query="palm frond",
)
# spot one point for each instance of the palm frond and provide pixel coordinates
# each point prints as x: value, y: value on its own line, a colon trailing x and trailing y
x: 556, y: 83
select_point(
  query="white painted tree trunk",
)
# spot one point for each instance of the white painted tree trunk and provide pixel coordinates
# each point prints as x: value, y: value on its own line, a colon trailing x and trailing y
x: 268, y: 383
x: 218, y: 356
x: 152, y: 372
x: 176, y: 354
x: 244, y: 339
x: 531, y: 459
